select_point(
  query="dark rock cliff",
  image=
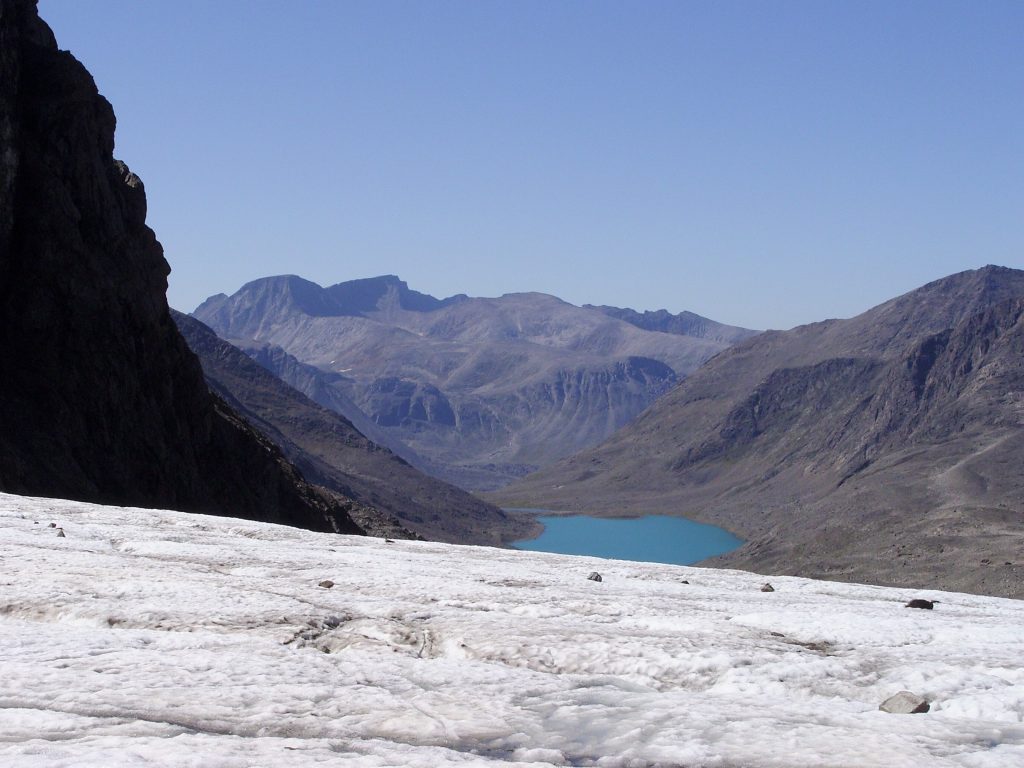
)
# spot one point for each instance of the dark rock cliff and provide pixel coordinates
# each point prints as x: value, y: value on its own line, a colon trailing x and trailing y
x: 100, y: 399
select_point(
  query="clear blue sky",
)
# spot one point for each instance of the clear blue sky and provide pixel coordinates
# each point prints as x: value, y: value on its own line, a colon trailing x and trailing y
x: 762, y: 163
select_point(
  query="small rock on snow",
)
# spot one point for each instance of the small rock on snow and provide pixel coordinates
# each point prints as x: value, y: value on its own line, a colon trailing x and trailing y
x: 905, y: 703
x: 767, y: 587
x: 594, y: 576
x: 326, y: 584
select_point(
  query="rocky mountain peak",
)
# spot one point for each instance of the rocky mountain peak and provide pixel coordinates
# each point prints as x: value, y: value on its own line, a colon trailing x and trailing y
x: 889, y: 328
x: 682, y: 324
x: 384, y: 293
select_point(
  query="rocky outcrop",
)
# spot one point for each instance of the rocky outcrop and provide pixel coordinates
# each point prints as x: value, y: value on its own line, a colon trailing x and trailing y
x: 480, y: 391
x: 100, y: 399
x: 905, y: 703
x: 884, y: 448
x: 681, y: 324
x: 248, y: 310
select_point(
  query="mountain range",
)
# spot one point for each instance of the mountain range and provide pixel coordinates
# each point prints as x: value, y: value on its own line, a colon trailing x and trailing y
x: 883, y: 448
x: 478, y: 391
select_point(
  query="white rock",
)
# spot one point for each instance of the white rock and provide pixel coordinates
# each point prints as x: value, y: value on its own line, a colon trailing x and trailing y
x: 905, y: 703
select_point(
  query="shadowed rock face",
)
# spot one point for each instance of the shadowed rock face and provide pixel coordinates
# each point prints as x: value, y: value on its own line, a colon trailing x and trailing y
x: 333, y: 453
x: 885, y: 448
x: 100, y: 399
x: 480, y: 390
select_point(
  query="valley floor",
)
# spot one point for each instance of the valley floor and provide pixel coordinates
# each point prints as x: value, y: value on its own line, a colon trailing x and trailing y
x: 152, y: 637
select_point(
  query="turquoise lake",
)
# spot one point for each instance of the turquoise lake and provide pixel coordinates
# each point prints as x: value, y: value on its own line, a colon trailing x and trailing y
x: 653, y: 539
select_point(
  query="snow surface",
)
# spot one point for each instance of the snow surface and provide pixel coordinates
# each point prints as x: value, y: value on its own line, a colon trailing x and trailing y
x: 149, y: 637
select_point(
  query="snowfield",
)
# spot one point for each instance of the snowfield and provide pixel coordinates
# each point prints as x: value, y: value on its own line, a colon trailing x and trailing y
x: 146, y: 637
